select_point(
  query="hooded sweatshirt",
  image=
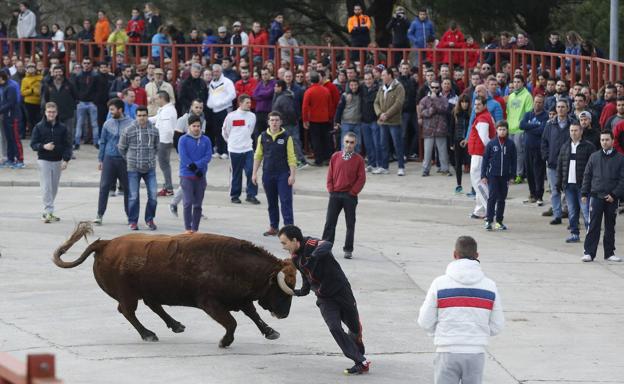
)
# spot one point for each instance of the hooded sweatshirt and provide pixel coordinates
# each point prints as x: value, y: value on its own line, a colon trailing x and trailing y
x: 462, y: 309
x: 109, y: 138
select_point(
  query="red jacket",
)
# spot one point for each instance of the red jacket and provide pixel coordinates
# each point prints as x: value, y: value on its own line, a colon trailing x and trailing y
x: 317, y: 104
x: 449, y: 37
x: 475, y: 143
x: 346, y: 175
x: 473, y: 57
x: 608, y: 111
x: 141, y: 96
x: 247, y: 88
x: 335, y: 97
x: 135, y: 30
x: 618, y: 131
x: 262, y: 38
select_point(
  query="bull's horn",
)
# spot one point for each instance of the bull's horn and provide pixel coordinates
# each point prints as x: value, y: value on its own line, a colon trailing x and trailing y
x: 281, y: 281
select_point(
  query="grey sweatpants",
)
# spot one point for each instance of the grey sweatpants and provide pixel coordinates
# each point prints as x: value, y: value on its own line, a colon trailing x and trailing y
x: 518, y: 139
x: 177, y: 196
x: 440, y: 143
x: 49, y: 176
x: 164, y: 161
x: 455, y: 368
x: 3, y: 142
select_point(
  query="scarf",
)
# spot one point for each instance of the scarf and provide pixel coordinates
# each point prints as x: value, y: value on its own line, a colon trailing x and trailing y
x: 347, y: 155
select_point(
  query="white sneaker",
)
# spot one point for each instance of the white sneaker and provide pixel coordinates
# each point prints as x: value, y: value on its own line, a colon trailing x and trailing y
x: 224, y: 156
x: 377, y: 171
x: 369, y: 168
x: 382, y: 171
x: 401, y: 172
x: 215, y: 155
x: 586, y: 258
x: 614, y: 258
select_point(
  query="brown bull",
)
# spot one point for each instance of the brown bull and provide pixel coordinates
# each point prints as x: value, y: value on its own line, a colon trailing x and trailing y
x: 215, y: 273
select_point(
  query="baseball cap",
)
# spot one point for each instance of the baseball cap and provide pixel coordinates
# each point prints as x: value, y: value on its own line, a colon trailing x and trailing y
x: 585, y: 114
x: 159, y: 71
x: 237, y: 24
x: 222, y: 29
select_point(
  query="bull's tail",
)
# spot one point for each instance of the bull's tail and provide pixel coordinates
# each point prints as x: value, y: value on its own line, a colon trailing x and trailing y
x: 82, y: 230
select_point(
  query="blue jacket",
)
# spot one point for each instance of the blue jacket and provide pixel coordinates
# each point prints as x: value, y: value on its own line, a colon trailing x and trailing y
x: 9, y: 105
x: 159, y: 38
x: 499, y: 159
x: 109, y: 137
x: 533, y: 127
x: 493, y: 107
x: 419, y: 31
x: 208, y: 41
x: 275, y: 32
x: 192, y: 150
x: 552, y: 139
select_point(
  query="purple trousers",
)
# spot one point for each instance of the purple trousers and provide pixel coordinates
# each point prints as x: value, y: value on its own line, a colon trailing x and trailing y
x: 192, y: 197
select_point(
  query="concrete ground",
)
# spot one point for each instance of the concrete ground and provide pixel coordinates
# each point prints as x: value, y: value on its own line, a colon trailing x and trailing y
x: 563, y: 316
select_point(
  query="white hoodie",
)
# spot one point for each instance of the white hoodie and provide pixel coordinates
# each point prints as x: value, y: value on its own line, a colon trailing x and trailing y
x: 462, y: 309
x: 221, y: 93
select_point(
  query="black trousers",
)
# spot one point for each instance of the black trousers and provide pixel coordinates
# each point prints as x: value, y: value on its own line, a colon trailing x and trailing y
x: 217, y: 124
x: 113, y: 168
x: 536, y: 168
x: 598, y: 207
x: 342, y: 308
x: 497, y: 193
x: 33, y: 114
x: 461, y: 158
x: 319, y: 135
x: 337, y: 202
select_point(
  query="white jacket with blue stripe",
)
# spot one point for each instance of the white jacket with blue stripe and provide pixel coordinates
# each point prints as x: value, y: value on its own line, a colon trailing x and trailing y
x: 462, y: 309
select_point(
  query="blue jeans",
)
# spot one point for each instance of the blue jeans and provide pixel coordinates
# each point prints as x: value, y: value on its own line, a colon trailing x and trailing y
x: 573, y: 197
x: 242, y: 162
x: 386, y: 132
x: 349, y: 127
x: 276, y: 187
x: 555, y: 195
x: 370, y: 134
x: 134, y: 179
x: 86, y: 109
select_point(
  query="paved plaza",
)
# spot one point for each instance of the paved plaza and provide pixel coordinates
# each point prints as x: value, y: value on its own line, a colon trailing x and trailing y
x: 563, y: 317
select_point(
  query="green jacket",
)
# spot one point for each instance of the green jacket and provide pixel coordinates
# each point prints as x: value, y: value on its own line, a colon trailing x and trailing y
x: 518, y: 103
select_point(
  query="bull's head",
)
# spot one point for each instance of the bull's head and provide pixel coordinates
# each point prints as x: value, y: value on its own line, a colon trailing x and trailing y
x: 278, y: 298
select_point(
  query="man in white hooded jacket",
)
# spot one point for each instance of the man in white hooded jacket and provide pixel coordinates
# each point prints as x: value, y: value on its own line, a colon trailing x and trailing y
x: 461, y: 310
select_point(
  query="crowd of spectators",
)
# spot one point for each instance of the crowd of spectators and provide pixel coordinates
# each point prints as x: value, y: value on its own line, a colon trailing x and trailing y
x: 386, y: 107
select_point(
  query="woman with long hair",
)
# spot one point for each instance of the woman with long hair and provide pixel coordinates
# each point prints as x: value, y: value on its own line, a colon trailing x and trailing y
x: 459, y: 126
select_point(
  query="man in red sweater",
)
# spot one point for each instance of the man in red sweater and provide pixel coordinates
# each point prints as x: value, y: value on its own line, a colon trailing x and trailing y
x: 141, y: 95
x: 610, y: 107
x: 246, y: 86
x: 316, y: 116
x: 345, y: 179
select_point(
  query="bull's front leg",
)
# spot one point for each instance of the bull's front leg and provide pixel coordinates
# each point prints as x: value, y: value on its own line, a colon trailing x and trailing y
x: 222, y: 316
x: 250, y: 310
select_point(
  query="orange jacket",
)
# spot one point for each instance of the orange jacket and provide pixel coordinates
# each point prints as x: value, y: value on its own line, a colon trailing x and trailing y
x: 102, y: 30
x: 353, y: 22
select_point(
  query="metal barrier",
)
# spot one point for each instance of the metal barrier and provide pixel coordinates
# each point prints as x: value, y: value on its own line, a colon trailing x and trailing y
x: 39, y: 369
x: 591, y: 70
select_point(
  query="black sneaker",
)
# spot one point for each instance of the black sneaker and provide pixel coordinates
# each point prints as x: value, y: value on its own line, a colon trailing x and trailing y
x: 236, y: 200
x: 358, y: 369
x: 252, y: 200
x: 555, y: 221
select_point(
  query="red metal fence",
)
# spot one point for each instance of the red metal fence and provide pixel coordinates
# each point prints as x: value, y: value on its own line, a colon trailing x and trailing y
x: 591, y: 70
x: 39, y: 369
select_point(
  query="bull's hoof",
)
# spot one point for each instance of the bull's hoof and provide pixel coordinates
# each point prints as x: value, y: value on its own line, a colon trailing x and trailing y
x: 272, y: 334
x: 225, y: 342
x: 178, y: 328
x: 150, y: 337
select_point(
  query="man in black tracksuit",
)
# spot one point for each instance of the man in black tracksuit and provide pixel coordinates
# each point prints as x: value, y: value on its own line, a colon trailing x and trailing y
x: 322, y: 273
x: 603, y: 181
